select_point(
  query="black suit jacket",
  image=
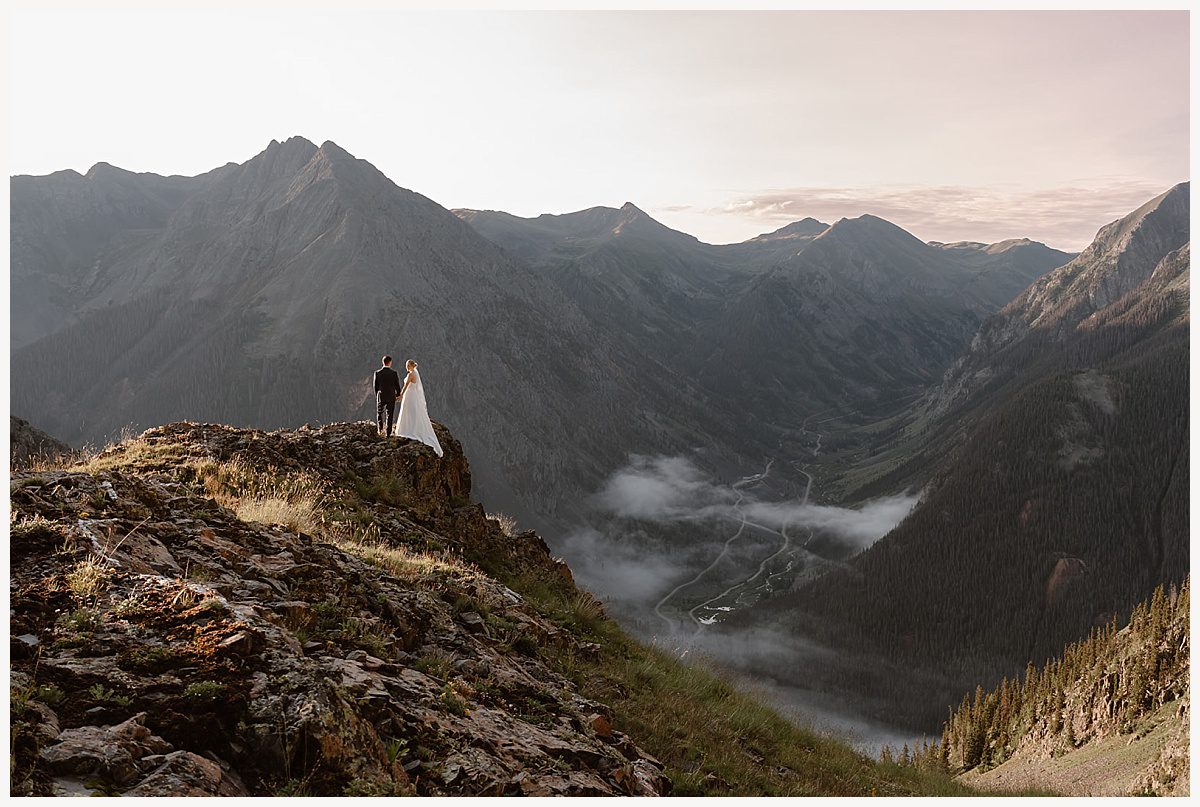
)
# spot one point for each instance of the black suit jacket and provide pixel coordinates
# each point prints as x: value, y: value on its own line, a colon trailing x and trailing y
x: 387, y: 384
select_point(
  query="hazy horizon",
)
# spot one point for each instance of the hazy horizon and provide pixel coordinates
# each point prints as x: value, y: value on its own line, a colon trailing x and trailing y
x: 976, y: 126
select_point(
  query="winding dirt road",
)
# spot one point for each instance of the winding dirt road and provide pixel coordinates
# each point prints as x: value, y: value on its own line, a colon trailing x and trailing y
x: 785, y: 546
x: 737, y: 505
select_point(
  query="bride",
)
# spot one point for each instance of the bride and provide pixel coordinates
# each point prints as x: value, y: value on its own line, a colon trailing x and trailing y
x: 413, y: 421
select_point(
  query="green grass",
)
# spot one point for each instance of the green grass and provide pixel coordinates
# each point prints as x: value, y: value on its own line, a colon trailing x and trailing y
x: 204, y: 690
x: 82, y: 620
x: 436, y: 664
x: 104, y: 695
x: 388, y: 488
x: 453, y: 702
x: 717, y: 741
x: 713, y: 739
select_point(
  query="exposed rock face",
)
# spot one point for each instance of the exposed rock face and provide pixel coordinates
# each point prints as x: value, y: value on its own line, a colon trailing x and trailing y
x: 163, y: 645
x: 27, y: 443
x: 1112, y: 719
x: 1139, y: 261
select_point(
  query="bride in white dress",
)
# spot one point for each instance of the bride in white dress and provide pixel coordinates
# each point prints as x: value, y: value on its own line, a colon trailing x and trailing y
x: 413, y: 421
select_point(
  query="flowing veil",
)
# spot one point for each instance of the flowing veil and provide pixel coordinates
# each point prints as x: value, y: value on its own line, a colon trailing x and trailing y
x: 413, y: 421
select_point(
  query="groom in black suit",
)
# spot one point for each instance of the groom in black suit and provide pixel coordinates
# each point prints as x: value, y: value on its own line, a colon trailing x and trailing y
x: 387, y: 388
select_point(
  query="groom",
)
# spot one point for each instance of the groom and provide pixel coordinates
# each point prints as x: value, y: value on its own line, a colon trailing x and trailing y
x: 387, y: 388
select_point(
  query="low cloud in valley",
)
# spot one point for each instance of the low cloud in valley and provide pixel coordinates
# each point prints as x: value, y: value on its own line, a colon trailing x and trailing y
x: 665, y: 489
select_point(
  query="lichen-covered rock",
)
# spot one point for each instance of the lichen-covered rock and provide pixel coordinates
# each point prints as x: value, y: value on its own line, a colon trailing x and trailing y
x: 181, y: 649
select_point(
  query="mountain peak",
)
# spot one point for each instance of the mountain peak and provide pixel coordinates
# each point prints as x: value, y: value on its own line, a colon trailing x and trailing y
x: 868, y: 227
x: 333, y: 151
x: 101, y: 169
x: 807, y: 226
x: 1012, y: 243
x: 294, y: 149
x: 1122, y: 258
x: 293, y: 142
x: 1164, y: 219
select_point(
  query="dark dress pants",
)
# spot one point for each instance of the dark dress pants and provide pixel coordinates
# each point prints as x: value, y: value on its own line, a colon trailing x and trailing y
x: 388, y: 407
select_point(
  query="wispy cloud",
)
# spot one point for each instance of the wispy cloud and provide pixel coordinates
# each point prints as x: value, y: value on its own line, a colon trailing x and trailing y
x: 662, y: 488
x: 1065, y: 217
x: 665, y: 489
x: 861, y: 526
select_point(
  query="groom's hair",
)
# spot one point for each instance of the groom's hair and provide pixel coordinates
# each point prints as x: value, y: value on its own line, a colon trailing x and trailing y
x: 387, y: 359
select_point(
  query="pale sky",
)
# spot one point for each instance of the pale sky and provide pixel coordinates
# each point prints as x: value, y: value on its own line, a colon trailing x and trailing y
x: 954, y: 125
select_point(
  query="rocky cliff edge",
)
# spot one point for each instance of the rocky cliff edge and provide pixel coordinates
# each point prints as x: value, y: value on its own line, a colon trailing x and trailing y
x: 206, y: 610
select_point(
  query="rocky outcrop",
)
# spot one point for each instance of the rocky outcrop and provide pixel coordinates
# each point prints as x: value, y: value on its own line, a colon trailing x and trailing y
x: 27, y: 444
x: 175, y: 635
x: 1109, y: 717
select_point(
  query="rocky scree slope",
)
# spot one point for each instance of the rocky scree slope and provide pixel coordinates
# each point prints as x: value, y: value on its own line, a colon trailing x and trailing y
x: 206, y: 610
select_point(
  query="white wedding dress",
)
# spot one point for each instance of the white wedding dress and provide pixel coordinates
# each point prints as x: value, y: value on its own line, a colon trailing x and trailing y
x: 413, y: 421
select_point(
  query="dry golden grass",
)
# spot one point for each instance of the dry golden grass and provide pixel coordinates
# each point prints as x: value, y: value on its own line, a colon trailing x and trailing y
x: 88, y: 578
x: 239, y: 477
x: 404, y: 563
x: 135, y: 454
x: 508, y: 524
x: 586, y: 610
x: 265, y: 495
x: 50, y: 462
x: 302, y: 515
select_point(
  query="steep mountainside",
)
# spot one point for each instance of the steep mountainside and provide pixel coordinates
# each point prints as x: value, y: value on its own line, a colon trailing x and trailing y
x: 1138, y: 253
x: 263, y: 293
x: 206, y: 610
x: 643, y: 284
x: 1061, y: 498
x: 1109, y: 717
x: 64, y: 224
x: 268, y: 293
x: 28, y: 444
x: 808, y: 317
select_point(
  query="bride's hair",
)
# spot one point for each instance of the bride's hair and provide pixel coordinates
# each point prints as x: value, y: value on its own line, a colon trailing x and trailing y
x: 412, y: 365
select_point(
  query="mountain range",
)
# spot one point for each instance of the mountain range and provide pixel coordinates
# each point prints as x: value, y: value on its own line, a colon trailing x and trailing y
x: 1047, y: 436
x: 803, y: 318
x: 1054, y: 461
x: 263, y: 294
